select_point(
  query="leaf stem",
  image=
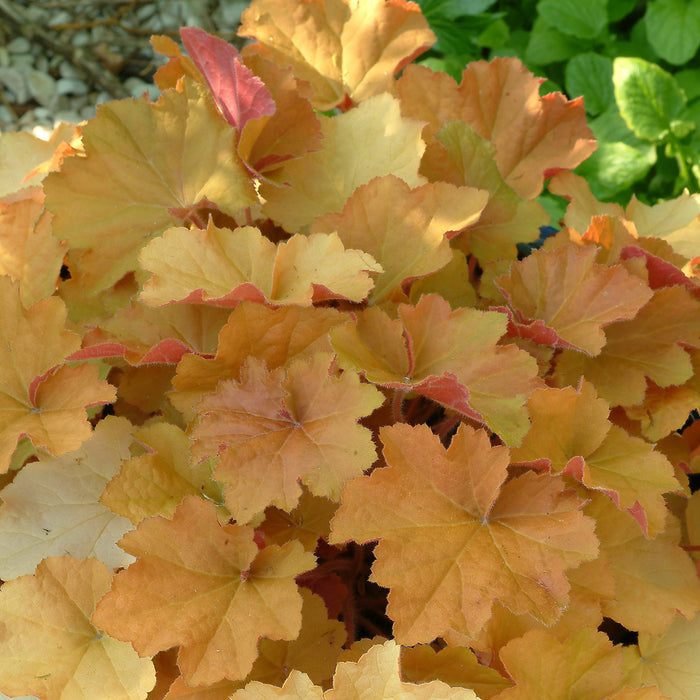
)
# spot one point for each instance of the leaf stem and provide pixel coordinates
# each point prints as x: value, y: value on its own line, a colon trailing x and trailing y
x: 397, y: 406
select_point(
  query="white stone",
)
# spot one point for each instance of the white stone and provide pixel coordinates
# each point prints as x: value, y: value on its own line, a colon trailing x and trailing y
x: 14, y: 80
x: 19, y: 45
x: 71, y: 86
x: 42, y: 87
x: 67, y: 70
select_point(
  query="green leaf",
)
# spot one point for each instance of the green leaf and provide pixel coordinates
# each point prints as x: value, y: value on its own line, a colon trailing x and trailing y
x: 617, y: 166
x: 494, y: 36
x: 648, y: 97
x: 619, y: 9
x: 584, y: 19
x: 453, y: 8
x: 547, y: 45
x: 673, y: 29
x: 590, y: 75
x: 689, y: 82
x: 461, y: 8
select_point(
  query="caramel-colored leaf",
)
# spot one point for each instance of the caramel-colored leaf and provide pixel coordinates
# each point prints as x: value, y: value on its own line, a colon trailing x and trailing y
x: 534, y: 136
x: 208, y: 573
x: 322, y: 182
x: 223, y: 267
x: 346, y: 51
x: 649, y: 345
x: 571, y: 431
x: 573, y: 295
x: 50, y: 410
x: 454, y: 537
x: 142, y: 161
x: 585, y: 666
x: 275, y: 336
x: 402, y: 228
x: 462, y: 157
x: 654, y: 579
x: 49, y: 647
x: 449, y: 356
x: 276, y: 430
x: 28, y: 250
x: 457, y: 666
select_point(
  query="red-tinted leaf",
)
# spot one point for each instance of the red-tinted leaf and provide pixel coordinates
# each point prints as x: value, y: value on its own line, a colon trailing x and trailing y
x: 240, y: 95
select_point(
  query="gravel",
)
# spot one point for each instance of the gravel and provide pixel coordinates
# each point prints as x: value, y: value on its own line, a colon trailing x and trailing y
x: 60, y: 58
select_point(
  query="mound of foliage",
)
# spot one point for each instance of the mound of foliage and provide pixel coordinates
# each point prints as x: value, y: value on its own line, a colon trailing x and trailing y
x: 295, y: 401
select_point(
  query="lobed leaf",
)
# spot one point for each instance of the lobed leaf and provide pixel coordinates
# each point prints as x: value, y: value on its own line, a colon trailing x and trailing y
x: 572, y: 295
x: 51, y: 507
x: 143, y: 162
x: 275, y: 430
x: 28, y: 250
x: 534, y: 136
x: 50, y: 648
x: 454, y: 538
x: 461, y: 157
x: 222, y: 267
x: 208, y: 573
x: 322, y: 182
x: 47, y: 406
x: 571, y: 432
x: 449, y: 356
x: 648, y: 345
x: 404, y: 229
x: 345, y: 51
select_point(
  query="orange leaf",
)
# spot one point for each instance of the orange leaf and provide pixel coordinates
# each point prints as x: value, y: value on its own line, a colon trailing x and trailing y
x: 49, y: 647
x: 346, y: 51
x: 454, y: 537
x: 573, y: 295
x: 585, y: 666
x: 314, y: 652
x: 28, y: 250
x: 191, y: 568
x: 322, y: 182
x: 223, y: 267
x: 144, y: 335
x: 276, y: 430
x: 49, y: 409
x: 534, y: 136
x: 460, y: 156
x: 649, y: 345
x: 306, y: 523
x: 402, y: 228
x: 571, y: 431
x: 654, y: 579
x: 449, y: 356
x: 276, y: 336
x: 133, y: 170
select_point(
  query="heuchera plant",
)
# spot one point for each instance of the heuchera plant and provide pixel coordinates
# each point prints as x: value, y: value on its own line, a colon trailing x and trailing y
x: 340, y: 441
